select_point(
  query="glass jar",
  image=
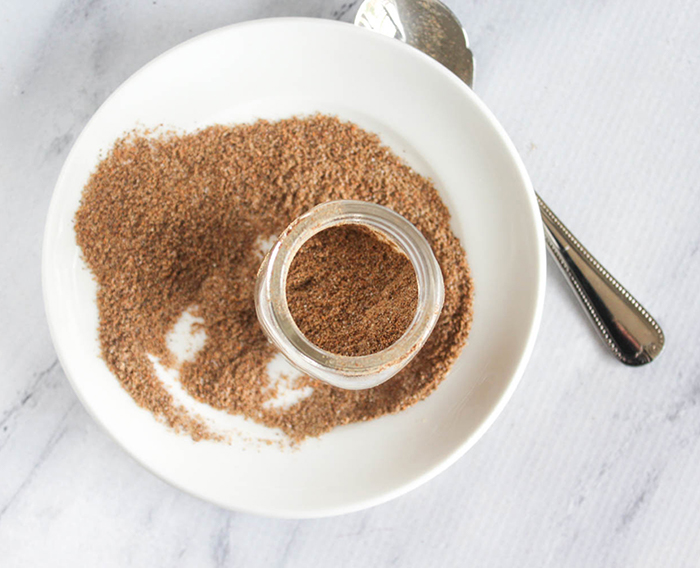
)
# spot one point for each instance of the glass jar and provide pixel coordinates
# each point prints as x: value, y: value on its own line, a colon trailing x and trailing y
x: 343, y: 371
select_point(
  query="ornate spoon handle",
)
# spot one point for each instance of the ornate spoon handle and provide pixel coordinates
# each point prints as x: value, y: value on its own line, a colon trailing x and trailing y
x: 625, y: 326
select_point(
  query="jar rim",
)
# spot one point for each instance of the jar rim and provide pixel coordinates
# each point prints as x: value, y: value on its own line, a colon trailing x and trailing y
x: 345, y: 371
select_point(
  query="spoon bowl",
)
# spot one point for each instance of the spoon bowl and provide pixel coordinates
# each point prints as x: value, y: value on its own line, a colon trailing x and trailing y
x: 427, y: 25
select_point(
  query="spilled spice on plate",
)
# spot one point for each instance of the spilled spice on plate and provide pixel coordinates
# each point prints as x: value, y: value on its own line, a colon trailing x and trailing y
x: 175, y: 222
x: 351, y: 292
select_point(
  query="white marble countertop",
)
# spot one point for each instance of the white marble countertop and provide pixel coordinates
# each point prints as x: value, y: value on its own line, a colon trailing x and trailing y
x: 591, y: 464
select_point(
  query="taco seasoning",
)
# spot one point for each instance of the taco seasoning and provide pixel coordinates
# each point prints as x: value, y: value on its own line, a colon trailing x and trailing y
x: 351, y: 292
x: 177, y: 223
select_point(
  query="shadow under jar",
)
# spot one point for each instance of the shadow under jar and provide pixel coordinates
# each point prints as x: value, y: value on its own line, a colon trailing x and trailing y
x: 343, y: 371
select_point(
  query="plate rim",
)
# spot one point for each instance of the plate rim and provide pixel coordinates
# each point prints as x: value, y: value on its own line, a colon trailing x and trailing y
x: 505, y: 396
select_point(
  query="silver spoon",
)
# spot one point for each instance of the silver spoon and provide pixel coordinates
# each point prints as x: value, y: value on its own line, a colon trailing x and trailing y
x: 625, y: 326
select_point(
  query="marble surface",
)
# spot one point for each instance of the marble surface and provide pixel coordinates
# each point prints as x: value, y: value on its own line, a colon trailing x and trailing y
x: 591, y: 464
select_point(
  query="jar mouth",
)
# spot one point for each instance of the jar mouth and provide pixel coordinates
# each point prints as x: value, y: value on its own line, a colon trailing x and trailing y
x: 349, y: 372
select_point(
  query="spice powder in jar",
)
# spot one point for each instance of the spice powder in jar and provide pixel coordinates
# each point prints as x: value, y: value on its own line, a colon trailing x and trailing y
x: 350, y: 291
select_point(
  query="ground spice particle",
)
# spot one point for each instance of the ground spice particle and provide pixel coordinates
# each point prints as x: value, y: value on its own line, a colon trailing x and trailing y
x: 173, y: 222
x: 351, y: 292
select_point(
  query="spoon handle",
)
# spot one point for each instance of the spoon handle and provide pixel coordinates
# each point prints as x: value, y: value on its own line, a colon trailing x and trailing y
x: 625, y: 326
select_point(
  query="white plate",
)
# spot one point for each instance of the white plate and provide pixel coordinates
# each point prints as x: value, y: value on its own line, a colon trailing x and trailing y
x: 272, y: 69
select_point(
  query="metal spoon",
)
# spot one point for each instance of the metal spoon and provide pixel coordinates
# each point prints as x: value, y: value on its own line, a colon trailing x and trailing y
x: 625, y: 326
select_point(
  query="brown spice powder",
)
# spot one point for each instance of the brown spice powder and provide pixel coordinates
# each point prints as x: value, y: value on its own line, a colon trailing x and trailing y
x: 172, y: 223
x: 351, y: 292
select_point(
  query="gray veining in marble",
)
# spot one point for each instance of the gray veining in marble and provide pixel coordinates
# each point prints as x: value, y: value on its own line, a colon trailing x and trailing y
x: 591, y: 464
